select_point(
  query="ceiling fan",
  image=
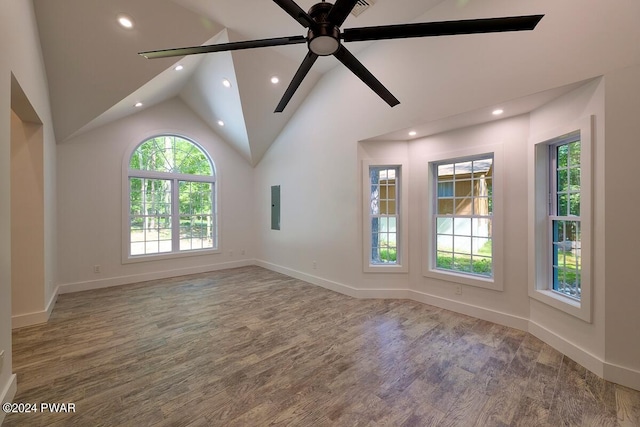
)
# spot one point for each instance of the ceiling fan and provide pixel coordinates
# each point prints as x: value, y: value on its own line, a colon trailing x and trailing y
x: 324, y: 38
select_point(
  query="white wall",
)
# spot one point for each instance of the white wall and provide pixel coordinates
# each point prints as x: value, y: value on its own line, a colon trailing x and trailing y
x: 579, y: 336
x: 509, y: 136
x: 622, y: 103
x: 316, y: 159
x: 315, y: 156
x: 90, y: 200
x: 21, y: 55
x: 27, y: 217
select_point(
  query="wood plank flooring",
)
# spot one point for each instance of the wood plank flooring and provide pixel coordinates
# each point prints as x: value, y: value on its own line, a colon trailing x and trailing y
x: 250, y: 347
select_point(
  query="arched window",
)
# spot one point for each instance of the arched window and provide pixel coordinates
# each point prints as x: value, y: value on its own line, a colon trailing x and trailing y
x: 171, y: 197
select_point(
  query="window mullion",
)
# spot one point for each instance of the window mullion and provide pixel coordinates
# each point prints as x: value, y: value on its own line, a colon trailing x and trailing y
x: 553, y: 180
x: 175, y: 215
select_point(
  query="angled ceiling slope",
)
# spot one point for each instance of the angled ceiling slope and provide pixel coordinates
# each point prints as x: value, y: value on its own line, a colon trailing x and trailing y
x: 218, y: 105
x: 92, y: 62
x: 246, y: 107
x: 95, y: 74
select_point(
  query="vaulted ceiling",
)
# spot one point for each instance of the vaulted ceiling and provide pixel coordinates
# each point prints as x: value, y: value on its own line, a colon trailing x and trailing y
x: 96, y: 76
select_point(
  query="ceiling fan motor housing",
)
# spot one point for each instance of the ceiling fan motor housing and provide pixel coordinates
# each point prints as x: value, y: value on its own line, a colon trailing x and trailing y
x: 324, y: 37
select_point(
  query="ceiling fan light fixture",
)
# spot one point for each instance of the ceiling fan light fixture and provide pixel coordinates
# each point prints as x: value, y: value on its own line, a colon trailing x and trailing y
x: 226, y: 83
x: 220, y: 123
x: 138, y: 104
x: 324, y: 39
x: 275, y: 80
x: 179, y: 67
x: 497, y: 112
x: 413, y: 133
x: 324, y: 45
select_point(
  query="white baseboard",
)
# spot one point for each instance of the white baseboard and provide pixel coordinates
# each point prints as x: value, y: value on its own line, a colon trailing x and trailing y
x: 505, y: 319
x: 459, y: 307
x: 8, y: 393
x: 52, y: 301
x: 566, y: 347
x: 36, y: 318
x: 136, y: 278
x: 621, y: 375
x: 610, y: 372
x: 319, y: 281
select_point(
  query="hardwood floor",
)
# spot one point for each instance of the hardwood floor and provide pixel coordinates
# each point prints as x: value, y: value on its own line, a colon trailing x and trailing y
x: 250, y: 347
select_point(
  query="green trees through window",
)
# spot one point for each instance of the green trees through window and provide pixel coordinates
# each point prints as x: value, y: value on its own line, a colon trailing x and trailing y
x: 171, y: 154
x: 565, y: 216
x: 383, y: 214
x: 171, y: 197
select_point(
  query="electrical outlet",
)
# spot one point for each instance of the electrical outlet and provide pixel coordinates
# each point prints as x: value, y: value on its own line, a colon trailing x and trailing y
x: 243, y: 252
x: 458, y: 289
x: 97, y: 269
x: 315, y: 265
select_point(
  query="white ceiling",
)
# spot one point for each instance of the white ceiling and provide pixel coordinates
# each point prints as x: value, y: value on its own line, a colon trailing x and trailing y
x: 510, y: 108
x: 95, y: 75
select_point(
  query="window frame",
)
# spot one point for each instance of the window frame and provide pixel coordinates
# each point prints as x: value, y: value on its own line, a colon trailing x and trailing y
x: 402, y: 208
x: 540, y: 231
x: 553, y: 214
x: 457, y: 217
x: 174, y: 179
x: 496, y: 282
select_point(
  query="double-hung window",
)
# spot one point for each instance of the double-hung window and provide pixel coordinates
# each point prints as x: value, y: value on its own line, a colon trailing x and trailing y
x: 463, y: 216
x: 564, y: 216
x: 560, y: 223
x: 384, y: 214
x: 171, y: 199
x: 384, y: 208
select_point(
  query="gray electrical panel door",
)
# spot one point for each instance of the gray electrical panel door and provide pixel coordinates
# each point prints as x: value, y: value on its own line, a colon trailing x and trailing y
x: 275, y: 207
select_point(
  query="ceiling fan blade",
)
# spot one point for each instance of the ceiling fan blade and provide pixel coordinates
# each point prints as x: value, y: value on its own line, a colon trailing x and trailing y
x: 340, y: 11
x: 359, y: 70
x: 444, y: 28
x: 296, y: 12
x: 223, y: 47
x: 309, y: 60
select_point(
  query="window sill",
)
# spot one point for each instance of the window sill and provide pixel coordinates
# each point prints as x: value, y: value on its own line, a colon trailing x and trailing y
x: 558, y: 301
x: 171, y: 255
x: 389, y: 268
x: 464, y: 279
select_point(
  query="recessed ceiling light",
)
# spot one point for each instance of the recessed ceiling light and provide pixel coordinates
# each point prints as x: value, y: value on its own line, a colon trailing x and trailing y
x: 497, y: 112
x: 125, y: 21
x: 413, y: 133
x: 226, y: 83
x: 138, y: 104
x: 275, y: 80
x: 220, y: 123
x: 178, y: 67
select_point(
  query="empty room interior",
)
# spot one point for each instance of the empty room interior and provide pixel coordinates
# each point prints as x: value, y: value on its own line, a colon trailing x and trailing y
x: 389, y: 212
